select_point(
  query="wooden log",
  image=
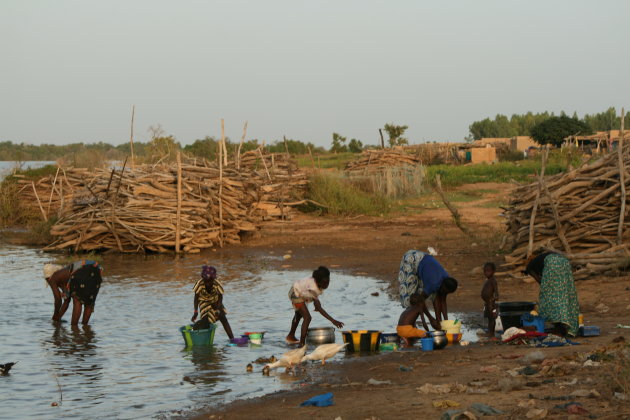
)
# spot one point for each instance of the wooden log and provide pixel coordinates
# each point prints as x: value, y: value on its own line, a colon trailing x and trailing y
x: 622, y: 182
x: 39, y: 203
x: 556, y: 217
x: 179, y: 203
x: 238, y: 153
x: 532, y: 219
x: 453, y: 210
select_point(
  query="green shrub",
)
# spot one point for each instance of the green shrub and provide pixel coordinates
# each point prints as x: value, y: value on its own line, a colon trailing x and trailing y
x: 342, y: 198
x: 510, y: 155
x: 40, y: 231
x: 10, y: 213
x: 34, y: 174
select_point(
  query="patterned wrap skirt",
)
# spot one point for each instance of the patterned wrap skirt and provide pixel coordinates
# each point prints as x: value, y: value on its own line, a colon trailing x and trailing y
x: 558, y: 297
x: 85, y: 283
x: 408, y: 280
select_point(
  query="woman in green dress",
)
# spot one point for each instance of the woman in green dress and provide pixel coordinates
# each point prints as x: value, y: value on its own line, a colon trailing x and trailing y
x: 558, y: 301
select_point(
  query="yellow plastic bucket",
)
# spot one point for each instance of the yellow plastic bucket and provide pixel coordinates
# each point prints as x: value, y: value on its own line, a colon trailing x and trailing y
x: 361, y: 340
x: 451, y: 327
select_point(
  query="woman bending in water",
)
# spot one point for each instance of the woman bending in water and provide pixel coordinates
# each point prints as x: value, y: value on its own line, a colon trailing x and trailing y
x: 79, y: 282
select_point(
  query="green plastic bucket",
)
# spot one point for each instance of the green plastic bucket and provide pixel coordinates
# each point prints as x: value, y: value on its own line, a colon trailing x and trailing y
x: 198, y: 337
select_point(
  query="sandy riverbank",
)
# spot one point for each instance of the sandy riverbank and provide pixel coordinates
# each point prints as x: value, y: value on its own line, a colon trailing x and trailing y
x: 374, y: 246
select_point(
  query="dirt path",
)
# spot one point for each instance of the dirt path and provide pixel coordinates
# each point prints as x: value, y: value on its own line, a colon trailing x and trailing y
x: 374, y: 246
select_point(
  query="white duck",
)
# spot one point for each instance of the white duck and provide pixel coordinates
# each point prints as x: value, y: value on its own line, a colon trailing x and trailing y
x: 323, y: 352
x: 288, y: 359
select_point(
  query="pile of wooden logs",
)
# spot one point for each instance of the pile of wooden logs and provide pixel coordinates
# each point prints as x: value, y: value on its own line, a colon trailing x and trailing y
x: 181, y: 207
x: 282, y: 183
x: 437, y: 153
x: 375, y: 160
x: 582, y: 214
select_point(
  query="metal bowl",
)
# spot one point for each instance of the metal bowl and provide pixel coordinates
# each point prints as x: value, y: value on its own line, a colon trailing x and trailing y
x: 322, y: 335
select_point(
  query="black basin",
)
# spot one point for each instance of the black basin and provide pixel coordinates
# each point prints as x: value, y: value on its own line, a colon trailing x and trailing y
x: 510, y: 313
x: 516, y: 306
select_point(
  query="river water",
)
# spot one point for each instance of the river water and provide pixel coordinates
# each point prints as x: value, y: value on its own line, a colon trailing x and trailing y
x: 130, y: 362
x: 8, y: 166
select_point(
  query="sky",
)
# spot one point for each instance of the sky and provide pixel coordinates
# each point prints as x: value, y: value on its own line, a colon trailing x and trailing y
x: 72, y: 70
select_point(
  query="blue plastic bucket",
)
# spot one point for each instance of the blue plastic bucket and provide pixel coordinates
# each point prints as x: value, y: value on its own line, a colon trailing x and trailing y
x: 198, y: 337
x: 427, y: 344
x: 533, y: 321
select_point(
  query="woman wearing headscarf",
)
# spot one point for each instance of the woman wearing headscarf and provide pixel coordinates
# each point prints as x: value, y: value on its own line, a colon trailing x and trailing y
x: 557, y: 301
x: 209, y: 301
x: 79, y: 282
x: 422, y: 274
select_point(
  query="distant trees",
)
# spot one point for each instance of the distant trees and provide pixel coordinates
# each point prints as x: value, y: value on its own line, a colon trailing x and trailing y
x: 23, y: 151
x: 355, y: 146
x: 161, y: 147
x: 295, y: 147
x: 207, y: 148
x: 501, y: 126
x: 555, y: 129
x: 521, y: 125
x: 607, y: 120
x: 338, y: 143
x: 395, y: 133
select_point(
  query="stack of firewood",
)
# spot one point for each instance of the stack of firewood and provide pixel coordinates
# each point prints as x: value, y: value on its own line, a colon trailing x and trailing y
x: 182, y: 207
x: 582, y: 214
x: 375, y: 160
x: 434, y: 153
x: 283, y: 184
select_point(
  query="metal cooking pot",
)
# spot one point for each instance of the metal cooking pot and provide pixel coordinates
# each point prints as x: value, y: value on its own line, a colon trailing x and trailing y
x: 439, y: 339
x: 321, y: 335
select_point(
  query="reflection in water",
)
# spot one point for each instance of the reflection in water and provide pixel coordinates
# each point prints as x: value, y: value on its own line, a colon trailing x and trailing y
x: 77, y: 355
x: 209, y: 367
x: 80, y: 340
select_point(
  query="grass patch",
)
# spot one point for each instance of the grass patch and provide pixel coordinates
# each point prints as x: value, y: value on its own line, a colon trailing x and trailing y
x: 70, y: 258
x: 326, y: 161
x: 32, y: 174
x: 40, y: 231
x: 453, y: 176
x: 521, y: 171
x: 342, y: 198
x: 11, y: 212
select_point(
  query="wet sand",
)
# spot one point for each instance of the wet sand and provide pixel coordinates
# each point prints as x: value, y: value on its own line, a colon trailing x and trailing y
x: 375, y: 246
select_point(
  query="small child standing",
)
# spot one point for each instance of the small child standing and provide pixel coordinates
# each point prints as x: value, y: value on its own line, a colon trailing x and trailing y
x: 490, y: 295
x: 209, y: 298
x: 406, y: 328
x: 301, y: 293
